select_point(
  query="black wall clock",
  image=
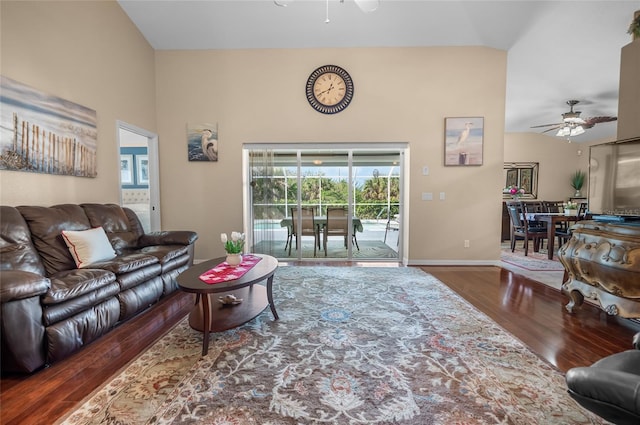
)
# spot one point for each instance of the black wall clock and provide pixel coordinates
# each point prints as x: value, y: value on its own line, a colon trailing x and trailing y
x: 329, y: 89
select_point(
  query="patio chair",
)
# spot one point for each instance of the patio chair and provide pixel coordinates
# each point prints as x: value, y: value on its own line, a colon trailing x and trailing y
x: 337, y: 225
x: 309, y: 227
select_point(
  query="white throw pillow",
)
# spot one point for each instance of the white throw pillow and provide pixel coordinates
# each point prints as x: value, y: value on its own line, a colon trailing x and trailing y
x: 88, y: 246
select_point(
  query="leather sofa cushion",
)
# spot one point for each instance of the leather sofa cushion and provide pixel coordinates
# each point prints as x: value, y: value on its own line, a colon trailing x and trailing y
x: 18, y: 285
x: 136, y: 277
x: 139, y: 297
x: 175, y: 263
x: 166, y: 253
x: 126, y: 263
x: 115, y: 223
x: 65, y: 337
x: 16, y: 249
x: 173, y: 237
x: 56, y: 313
x: 74, y: 283
x: 46, y: 225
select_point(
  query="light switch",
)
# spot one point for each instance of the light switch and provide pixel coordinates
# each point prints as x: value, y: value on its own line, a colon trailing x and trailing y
x: 442, y: 196
x: 425, y: 171
x: 427, y: 196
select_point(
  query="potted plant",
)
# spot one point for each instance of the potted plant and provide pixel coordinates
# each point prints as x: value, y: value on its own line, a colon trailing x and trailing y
x: 570, y: 208
x: 233, y: 247
x: 577, y: 181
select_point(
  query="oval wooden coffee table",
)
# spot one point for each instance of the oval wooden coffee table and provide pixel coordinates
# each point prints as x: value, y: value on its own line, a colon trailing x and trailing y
x: 221, y: 317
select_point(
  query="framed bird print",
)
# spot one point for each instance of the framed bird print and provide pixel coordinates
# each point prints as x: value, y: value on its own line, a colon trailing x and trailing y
x: 463, y: 140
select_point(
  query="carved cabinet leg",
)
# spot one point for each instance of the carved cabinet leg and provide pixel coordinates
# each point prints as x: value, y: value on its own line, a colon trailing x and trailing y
x: 576, y: 300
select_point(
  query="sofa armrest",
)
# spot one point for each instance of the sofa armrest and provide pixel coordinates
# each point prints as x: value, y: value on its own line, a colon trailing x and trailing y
x: 173, y: 237
x: 18, y: 285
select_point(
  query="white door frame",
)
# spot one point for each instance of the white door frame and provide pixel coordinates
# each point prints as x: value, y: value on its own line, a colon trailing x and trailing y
x: 402, y: 147
x: 154, y: 170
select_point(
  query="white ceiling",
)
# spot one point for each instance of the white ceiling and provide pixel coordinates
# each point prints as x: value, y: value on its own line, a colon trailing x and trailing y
x: 557, y: 50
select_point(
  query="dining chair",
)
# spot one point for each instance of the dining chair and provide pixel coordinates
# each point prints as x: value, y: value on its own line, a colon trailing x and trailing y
x: 337, y: 225
x: 532, y: 207
x: 582, y: 210
x: 561, y: 231
x: 553, y: 206
x: 520, y: 227
x: 564, y: 234
x: 308, y: 224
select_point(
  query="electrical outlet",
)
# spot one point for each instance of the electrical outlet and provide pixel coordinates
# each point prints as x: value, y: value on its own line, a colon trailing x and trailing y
x: 466, y: 243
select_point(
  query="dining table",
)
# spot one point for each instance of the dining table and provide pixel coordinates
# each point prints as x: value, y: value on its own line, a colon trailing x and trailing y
x: 321, y: 222
x: 551, y: 219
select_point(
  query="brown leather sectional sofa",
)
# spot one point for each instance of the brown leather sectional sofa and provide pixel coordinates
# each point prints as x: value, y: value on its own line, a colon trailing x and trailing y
x: 49, y: 308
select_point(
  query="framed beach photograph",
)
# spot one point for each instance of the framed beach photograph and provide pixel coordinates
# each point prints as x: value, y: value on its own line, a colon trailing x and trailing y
x: 126, y: 169
x: 43, y: 133
x: 463, y: 141
x: 142, y: 167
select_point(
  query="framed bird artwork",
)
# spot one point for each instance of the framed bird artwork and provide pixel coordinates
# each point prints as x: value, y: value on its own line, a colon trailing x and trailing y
x: 463, y: 140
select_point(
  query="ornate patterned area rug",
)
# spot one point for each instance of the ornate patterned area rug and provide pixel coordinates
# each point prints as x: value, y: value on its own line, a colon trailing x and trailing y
x: 534, y: 261
x: 352, y: 346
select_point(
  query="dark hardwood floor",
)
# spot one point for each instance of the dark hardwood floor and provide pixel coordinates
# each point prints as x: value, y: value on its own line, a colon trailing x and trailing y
x: 531, y: 311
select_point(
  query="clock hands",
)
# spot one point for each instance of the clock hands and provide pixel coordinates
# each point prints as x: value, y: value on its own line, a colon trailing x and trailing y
x: 327, y: 90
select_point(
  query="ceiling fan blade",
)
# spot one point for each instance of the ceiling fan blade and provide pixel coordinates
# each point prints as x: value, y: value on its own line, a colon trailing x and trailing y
x: 595, y: 120
x: 368, y: 5
x: 552, y: 129
x: 547, y: 125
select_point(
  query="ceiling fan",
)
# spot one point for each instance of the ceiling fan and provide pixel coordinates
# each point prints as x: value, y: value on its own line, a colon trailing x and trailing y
x: 572, y: 124
x: 366, y: 6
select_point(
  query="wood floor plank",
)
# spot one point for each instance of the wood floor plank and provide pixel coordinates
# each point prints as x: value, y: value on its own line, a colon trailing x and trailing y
x: 531, y: 311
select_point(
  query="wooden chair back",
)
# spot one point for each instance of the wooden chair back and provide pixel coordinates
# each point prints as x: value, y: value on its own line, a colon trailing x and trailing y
x: 553, y: 206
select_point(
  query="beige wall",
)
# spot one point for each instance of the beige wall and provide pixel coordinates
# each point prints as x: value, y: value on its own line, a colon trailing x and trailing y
x: 558, y: 160
x: 93, y: 55
x: 89, y: 53
x: 401, y: 95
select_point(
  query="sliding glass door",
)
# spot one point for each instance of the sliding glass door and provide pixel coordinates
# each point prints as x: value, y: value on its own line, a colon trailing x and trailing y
x: 325, y: 202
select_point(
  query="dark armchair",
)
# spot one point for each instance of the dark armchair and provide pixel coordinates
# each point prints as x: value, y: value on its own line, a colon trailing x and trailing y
x: 610, y: 387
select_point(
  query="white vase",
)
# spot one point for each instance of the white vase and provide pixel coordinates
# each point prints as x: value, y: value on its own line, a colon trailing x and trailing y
x: 234, y: 260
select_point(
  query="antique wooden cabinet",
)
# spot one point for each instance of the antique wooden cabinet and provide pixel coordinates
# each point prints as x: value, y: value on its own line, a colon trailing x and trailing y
x: 602, y: 263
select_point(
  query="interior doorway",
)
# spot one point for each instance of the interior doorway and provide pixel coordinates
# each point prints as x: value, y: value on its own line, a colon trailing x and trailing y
x: 288, y: 181
x: 139, y: 176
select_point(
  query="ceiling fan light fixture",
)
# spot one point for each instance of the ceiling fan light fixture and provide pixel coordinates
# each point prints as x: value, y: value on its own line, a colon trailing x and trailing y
x: 564, y: 131
x: 368, y: 6
x: 578, y: 130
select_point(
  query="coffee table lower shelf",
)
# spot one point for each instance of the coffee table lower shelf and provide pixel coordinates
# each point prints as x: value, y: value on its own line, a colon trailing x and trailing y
x: 224, y: 317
